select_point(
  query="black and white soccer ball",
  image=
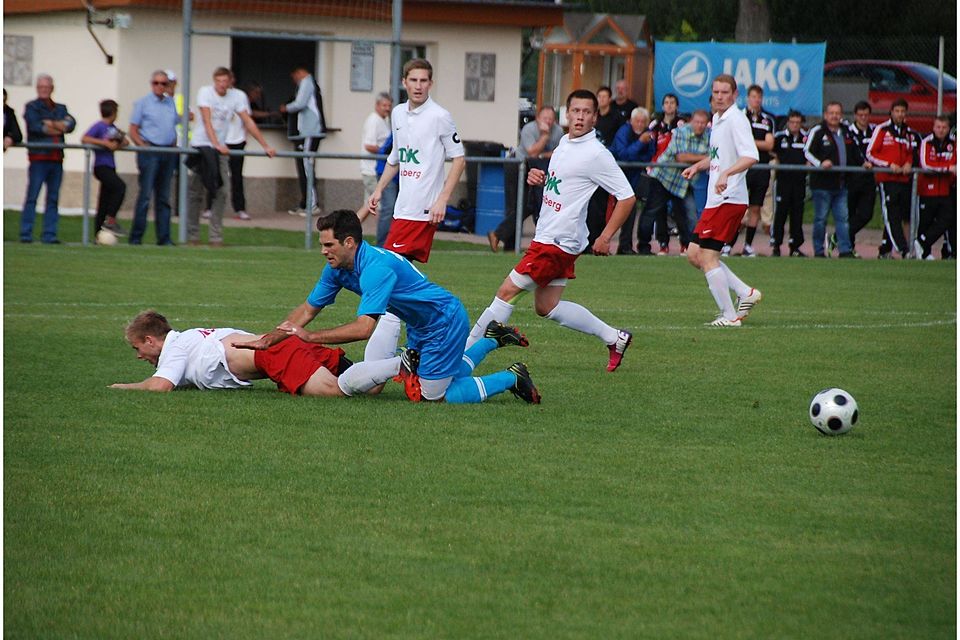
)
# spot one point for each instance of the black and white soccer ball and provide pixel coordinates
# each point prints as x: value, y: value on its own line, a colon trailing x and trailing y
x: 833, y: 411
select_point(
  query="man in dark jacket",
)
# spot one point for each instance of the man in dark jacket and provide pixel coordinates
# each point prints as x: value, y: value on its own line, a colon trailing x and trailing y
x: 46, y: 121
x: 11, y: 128
x: 830, y: 146
x: 791, y: 191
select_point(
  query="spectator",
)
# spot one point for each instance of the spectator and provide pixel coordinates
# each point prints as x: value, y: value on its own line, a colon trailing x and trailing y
x: 389, y: 197
x: 791, y: 186
x: 376, y: 130
x: 892, y: 147
x: 861, y: 187
x: 310, y: 128
x: 105, y: 134
x: 689, y: 144
x: 608, y: 122
x: 217, y: 103
x: 633, y: 143
x: 538, y: 139
x: 236, y: 140
x: 938, y: 191
x: 258, y: 107
x: 758, y: 180
x: 662, y: 127
x: 46, y: 121
x: 154, y: 124
x: 830, y: 146
x: 11, y: 128
x: 623, y: 105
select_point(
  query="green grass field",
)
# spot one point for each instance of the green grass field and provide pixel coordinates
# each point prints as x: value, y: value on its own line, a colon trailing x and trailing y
x: 685, y: 496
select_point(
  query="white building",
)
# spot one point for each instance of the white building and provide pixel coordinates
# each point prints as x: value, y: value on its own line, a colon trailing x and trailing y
x: 52, y: 37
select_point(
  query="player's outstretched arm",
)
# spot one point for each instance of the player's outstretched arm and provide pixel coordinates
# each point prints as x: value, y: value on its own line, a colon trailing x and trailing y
x: 299, y: 317
x: 693, y: 169
x: 360, y: 329
x: 153, y: 383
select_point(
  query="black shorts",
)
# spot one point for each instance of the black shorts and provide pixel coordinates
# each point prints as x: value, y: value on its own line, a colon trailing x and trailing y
x: 758, y: 181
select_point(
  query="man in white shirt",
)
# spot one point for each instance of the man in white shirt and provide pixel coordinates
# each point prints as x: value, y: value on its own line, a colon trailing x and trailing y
x: 236, y: 140
x: 207, y: 359
x: 376, y: 130
x: 732, y: 152
x: 578, y: 165
x: 424, y: 135
x: 218, y: 104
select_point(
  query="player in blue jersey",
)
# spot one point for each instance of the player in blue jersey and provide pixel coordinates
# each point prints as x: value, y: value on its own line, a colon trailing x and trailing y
x: 435, y: 366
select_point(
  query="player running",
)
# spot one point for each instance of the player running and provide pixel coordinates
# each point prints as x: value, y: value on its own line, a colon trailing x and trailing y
x: 435, y: 367
x: 732, y: 152
x: 578, y: 166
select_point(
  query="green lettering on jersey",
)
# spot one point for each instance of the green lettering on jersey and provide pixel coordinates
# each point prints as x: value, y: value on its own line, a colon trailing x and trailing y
x: 552, y: 184
x: 409, y: 155
x: 714, y: 153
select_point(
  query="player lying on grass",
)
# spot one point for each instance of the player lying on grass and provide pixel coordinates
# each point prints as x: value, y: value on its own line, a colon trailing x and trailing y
x: 578, y: 166
x: 206, y: 359
x: 435, y: 367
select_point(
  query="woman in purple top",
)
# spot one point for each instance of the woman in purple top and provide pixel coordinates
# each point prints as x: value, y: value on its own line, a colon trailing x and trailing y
x: 112, y: 189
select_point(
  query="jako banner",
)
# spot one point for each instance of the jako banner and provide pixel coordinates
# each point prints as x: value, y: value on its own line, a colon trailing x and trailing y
x: 791, y: 75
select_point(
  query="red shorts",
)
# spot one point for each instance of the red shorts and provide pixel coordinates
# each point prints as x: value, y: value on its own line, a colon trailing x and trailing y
x: 546, y: 263
x: 720, y: 223
x: 412, y: 239
x: 291, y: 362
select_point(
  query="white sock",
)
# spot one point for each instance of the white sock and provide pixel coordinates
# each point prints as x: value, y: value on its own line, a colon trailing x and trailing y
x: 498, y: 310
x: 363, y: 376
x: 739, y: 286
x: 573, y: 316
x: 382, y: 344
x: 717, y: 281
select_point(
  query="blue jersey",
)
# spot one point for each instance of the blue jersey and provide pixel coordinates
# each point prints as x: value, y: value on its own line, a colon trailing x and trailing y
x: 385, y: 282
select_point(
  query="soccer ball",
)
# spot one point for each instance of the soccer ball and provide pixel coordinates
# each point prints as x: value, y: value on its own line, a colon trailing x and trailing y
x: 833, y: 411
x: 107, y: 237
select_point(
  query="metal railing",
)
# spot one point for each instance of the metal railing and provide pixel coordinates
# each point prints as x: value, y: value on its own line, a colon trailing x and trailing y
x: 521, y: 178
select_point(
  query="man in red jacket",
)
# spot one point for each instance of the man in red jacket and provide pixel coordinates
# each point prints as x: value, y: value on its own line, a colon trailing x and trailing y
x: 892, y: 147
x: 938, y: 191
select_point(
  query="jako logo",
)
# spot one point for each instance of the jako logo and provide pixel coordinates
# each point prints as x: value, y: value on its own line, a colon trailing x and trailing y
x: 691, y: 74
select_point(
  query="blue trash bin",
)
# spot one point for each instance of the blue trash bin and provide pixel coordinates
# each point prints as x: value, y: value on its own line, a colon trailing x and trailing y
x: 490, y: 198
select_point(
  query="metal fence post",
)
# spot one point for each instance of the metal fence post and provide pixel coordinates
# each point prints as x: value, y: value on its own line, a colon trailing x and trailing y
x: 86, y: 198
x: 914, y: 214
x: 395, y: 63
x: 311, y: 193
x: 184, y: 122
x: 521, y: 198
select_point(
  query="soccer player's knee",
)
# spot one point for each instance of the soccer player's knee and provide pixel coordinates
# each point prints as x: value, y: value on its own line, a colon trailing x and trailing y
x: 435, y: 390
x: 543, y: 308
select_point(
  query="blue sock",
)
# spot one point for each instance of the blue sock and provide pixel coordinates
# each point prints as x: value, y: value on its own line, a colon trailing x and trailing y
x: 474, y: 390
x: 473, y: 356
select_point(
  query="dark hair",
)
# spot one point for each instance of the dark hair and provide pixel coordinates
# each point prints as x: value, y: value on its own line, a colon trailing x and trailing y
x: 607, y: 89
x: 754, y: 87
x: 831, y: 103
x: 860, y: 106
x: 794, y: 114
x: 147, y: 323
x: 222, y: 71
x: 942, y: 118
x: 670, y: 95
x: 899, y: 102
x: 583, y: 94
x: 108, y: 108
x: 344, y: 223
x: 418, y: 63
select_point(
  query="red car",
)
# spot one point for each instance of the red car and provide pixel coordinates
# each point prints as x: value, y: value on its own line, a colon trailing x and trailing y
x: 915, y: 82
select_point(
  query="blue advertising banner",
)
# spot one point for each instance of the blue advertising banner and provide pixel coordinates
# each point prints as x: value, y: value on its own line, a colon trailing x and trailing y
x: 791, y: 75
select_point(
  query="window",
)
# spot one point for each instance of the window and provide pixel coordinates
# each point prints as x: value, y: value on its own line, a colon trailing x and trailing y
x: 889, y: 79
x: 268, y: 63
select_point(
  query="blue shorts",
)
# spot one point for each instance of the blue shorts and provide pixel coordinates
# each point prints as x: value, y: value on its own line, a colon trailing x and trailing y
x: 441, y: 344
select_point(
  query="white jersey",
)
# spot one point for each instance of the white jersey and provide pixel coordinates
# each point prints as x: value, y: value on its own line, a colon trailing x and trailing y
x: 375, y: 132
x: 577, y: 167
x: 222, y: 110
x: 731, y: 138
x: 422, y: 139
x: 236, y: 131
x: 196, y: 358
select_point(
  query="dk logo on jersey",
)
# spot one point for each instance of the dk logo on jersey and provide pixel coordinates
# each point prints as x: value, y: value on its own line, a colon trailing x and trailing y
x: 552, y: 184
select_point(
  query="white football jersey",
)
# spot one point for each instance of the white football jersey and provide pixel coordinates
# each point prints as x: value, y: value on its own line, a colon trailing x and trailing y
x: 731, y: 138
x: 196, y: 358
x: 422, y: 139
x: 577, y: 168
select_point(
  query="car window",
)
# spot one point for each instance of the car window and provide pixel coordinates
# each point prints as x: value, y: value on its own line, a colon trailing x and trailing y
x: 930, y: 75
x: 889, y: 79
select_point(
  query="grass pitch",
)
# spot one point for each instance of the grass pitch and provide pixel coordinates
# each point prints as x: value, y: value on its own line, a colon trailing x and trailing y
x: 685, y: 496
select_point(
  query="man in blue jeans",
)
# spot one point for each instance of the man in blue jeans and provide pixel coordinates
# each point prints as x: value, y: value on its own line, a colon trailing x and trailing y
x: 46, y: 121
x: 154, y: 124
x: 830, y: 146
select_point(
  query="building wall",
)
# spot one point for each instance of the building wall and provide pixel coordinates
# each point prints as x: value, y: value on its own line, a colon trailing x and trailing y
x: 154, y: 42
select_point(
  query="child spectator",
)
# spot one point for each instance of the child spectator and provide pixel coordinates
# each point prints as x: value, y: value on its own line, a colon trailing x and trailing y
x: 112, y: 189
